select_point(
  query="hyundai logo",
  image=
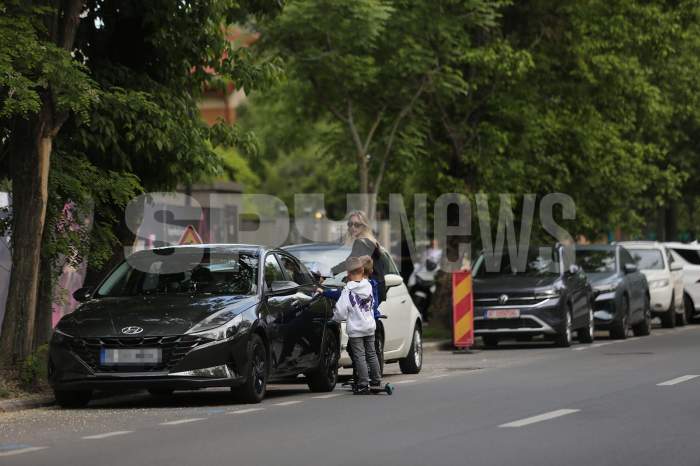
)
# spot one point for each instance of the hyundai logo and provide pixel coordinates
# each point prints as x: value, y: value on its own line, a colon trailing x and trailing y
x: 503, y: 299
x: 131, y: 330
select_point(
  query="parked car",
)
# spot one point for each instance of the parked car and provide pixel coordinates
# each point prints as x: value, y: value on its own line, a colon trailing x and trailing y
x: 689, y: 256
x: 665, y: 279
x: 197, y: 316
x: 621, y: 290
x: 547, y: 294
x: 400, y: 335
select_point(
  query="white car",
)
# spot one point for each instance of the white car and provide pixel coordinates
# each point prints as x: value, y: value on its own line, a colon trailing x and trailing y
x: 689, y: 256
x: 400, y: 335
x: 665, y: 277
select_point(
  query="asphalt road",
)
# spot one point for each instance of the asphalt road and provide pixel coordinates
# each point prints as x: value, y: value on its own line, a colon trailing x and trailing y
x: 610, y: 403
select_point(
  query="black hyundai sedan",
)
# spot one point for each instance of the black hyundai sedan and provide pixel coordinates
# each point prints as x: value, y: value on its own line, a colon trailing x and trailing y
x: 190, y: 317
x: 540, y: 293
x: 621, y: 290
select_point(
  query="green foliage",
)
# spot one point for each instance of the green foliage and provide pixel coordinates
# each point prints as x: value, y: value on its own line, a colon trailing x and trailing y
x: 33, y: 371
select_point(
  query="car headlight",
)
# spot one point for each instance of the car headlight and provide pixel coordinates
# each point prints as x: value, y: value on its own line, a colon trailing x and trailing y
x: 658, y: 284
x: 60, y: 337
x: 228, y: 330
x: 608, y: 287
x: 546, y: 294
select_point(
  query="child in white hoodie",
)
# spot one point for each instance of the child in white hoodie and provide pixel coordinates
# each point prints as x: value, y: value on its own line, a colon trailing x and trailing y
x: 355, y: 306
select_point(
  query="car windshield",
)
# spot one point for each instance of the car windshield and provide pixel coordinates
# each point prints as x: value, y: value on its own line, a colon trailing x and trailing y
x: 189, y: 271
x: 596, y: 261
x: 321, y: 260
x: 648, y: 259
x: 539, y: 262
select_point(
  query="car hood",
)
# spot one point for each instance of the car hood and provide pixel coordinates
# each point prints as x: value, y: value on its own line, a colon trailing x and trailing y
x: 597, y: 279
x: 510, y: 284
x: 156, y: 315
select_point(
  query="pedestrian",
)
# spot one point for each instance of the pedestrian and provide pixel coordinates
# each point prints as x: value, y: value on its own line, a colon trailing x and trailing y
x: 356, y: 307
x: 360, y: 236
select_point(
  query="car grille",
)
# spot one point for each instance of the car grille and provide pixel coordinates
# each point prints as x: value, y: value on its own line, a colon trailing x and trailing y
x: 505, y: 324
x: 486, y: 300
x: 174, y: 348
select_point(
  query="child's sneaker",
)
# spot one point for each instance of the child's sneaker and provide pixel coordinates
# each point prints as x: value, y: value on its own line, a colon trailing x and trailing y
x: 375, y: 383
x: 364, y: 390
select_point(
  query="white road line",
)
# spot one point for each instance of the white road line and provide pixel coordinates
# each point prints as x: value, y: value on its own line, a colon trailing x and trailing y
x: 108, y: 434
x: 438, y: 376
x: 19, y: 451
x: 405, y: 381
x: 182, y: 421
x: 677, y: 380
x: 540, y: 418
x: 325, y: 397
x: 249, y: 410
x: 287, y: 403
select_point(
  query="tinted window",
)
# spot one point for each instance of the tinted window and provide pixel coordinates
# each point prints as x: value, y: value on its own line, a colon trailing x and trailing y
x: 295, y: 272
x: 592, y: 261
x: 207, y: 272
x: 273, y: 271
x: 539, y: 262
x: 648, y: 259
x: 691, y: 256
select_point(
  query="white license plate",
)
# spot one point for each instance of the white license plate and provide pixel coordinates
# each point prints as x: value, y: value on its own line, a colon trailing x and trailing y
x: 502, y: 313
x: 141, y: 356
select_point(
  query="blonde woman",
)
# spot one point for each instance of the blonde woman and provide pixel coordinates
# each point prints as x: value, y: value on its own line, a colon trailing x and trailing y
x: 363, y: 242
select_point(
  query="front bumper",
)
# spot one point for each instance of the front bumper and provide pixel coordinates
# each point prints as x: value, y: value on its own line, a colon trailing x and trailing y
x: 605, y: 310
x: 74, y: 364
x: 542, y: 318
x: 660, y: 299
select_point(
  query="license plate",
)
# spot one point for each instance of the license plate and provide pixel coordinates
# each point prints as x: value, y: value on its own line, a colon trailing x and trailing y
x: 141, y: 356
x: 503, y: 313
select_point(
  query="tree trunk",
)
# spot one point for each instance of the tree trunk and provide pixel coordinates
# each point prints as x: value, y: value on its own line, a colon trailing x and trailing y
x: 44, y: 312
x: 30, y: 158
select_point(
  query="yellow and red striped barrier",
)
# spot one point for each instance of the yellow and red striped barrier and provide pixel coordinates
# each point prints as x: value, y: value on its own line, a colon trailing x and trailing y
x: 462, y: 309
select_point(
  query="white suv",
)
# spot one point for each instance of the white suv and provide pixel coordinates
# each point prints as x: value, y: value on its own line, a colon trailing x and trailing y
x: 689, y: 256
x: 400, y: 335
x: 665, y: 277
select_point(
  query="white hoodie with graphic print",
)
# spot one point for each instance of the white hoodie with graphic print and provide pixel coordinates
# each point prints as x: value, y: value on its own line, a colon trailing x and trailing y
x: 355, y: 307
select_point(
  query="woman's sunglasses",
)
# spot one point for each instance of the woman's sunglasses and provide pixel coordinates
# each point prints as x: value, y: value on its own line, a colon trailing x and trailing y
x: 355, y: 224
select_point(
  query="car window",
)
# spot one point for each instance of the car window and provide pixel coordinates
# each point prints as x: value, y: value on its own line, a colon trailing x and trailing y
x: 539, y: 262
x: 691, y: 256
x: 389, y: 264
x: 596, y: 261
x: 295, y: 271
x: 626, y: 257
x: 648, y: 259
x: 273, y: 271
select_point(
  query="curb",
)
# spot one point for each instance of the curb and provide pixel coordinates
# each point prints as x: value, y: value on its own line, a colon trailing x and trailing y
x: 9, y: 406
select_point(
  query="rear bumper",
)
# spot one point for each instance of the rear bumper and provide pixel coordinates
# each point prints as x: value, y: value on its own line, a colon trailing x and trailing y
x: 660, y: 299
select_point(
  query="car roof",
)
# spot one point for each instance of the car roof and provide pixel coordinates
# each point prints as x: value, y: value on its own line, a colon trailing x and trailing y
x: 642, y: 244
x: 679, y: 245
x: 596, y: 247
x: 314, y: 247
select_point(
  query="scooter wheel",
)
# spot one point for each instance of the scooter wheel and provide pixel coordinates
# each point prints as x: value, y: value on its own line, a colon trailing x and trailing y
x: 389, y: 388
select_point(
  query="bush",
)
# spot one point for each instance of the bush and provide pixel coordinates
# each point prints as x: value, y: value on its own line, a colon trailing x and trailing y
x: 33, y: 371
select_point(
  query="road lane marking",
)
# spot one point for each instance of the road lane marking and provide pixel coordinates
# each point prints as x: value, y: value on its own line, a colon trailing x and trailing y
x: 182, y: 421
x: 405, y: 381
x: 540, y: 418
x: 325, y: 397
x: 244, y: 411
x: 677, y: 380
x: 108, y: 434
x: 21, y: 449
x: 287, y: 403
x: 439, y: 376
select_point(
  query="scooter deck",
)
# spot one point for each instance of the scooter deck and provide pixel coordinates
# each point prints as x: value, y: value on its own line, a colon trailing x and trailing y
x: 387, y: 388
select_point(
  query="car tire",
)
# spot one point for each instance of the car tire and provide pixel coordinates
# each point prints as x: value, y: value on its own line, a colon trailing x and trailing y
x: 379, y: 349
x: 564, y: 337
x: 620, y: 327
x: 254, y: 388
x: 161, y: 392
x: 413, y: 362
x: 689, y: 308
x: 72, y: 398
x: 587, y: 334
x: 643, y: 328
x: 681, y: 319
x: 325, y: 377
x: 668, y: 318
x: 490, y: 341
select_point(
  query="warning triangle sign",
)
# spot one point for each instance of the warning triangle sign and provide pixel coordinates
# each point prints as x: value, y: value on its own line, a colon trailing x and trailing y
x: 190, y: 236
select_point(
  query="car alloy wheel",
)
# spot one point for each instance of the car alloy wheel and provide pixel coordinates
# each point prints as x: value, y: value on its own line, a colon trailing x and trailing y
x: 254, y: 388
x: 418, y: 348
x: 325, y: 377
x: 587, y: 335
x: 564, y: 338
x: 413, y: 362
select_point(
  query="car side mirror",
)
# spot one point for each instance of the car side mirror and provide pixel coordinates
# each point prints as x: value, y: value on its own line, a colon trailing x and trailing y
x: 283, y: 286
x: 675, y: 266
x: 631, y: 268
x: 392, y: 279
x: 574, y: 269
x: 82, y: 294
